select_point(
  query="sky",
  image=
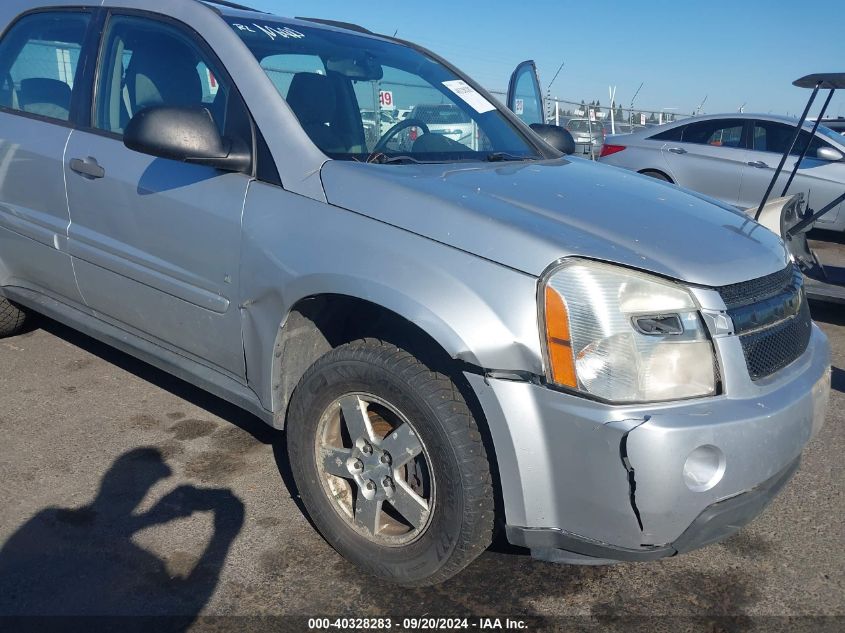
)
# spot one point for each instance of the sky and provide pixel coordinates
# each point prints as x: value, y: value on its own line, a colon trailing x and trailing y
x: 733, y: 52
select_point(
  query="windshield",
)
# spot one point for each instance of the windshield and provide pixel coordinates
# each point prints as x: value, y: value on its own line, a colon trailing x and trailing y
x: 831, y: 134
x: 336, y: 81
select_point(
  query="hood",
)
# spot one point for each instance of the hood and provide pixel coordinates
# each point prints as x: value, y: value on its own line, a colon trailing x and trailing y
x: 527, y: 215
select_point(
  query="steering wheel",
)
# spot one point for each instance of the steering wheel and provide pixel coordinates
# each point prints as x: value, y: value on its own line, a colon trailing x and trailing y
x: 383, y: 141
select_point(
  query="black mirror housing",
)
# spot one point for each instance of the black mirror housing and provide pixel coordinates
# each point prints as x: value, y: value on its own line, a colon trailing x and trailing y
x: 556, y: 136
x: 188, y: 135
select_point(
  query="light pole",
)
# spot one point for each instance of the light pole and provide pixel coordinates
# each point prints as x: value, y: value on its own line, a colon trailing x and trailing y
x: 632, y: 102
x: 612, y: 91
x: 549, y: 90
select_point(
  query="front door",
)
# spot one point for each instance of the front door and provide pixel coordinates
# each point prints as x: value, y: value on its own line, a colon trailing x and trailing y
x: 525, y: 98
x: 156, y: 243
x: 819, y: 180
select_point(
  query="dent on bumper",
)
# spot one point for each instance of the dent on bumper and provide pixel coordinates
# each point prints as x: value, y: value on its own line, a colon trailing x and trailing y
x: 615, y: 475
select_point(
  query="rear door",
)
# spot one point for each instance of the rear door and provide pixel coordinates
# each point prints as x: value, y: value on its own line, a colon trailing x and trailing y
x: 525, y: 97
x: 39, y: 59
x: 820, y: 181
x: 709, y: 157
x: 156, y: 243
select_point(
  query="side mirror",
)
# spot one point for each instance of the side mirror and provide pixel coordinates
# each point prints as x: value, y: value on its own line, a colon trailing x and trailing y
x: 188, y: 135
x: 829, y: 154
x: 556, y: 136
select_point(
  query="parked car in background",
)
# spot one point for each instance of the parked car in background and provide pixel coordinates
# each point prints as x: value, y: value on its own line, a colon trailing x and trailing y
x: 837, y: 124
x: 386, y: 121
x: 616, y: 128
x: 588, y: 135
x: 444, y: 119
x: 732, y: 157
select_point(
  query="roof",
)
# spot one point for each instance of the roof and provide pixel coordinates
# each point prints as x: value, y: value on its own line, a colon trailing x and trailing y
x: 235, y: 10
x: 736, y: 115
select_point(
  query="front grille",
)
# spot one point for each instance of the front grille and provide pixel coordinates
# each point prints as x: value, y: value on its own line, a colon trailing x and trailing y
x: 772, y: 319
x: 748, y: 292
x: 770, y: 350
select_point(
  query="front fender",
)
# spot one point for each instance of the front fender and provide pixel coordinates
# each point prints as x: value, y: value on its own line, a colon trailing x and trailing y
x: 294, y: 248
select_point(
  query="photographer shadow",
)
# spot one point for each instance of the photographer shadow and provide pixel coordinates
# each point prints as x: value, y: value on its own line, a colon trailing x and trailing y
x: 83, y: 562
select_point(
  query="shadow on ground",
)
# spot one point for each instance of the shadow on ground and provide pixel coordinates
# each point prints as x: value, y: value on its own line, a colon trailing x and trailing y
x: 82, y: 561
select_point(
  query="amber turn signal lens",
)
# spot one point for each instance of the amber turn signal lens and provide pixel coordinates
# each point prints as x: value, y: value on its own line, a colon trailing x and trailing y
x: 558, y: 341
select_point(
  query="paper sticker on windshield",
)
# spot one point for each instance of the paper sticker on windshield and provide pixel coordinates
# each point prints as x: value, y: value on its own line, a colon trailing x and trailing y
x: 470, y: 95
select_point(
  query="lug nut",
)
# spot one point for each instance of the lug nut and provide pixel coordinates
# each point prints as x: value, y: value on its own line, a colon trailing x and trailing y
x: 367, y: 449
x: 357, y: 465
x: 387, y: 482
x: 370, y: 485
x: 385, y: 458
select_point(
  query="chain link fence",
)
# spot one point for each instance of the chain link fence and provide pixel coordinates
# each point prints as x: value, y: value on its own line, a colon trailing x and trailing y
x: 594, y: 121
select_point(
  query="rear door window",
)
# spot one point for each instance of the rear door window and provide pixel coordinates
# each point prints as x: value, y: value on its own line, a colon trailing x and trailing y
x: 39, y: 59
x: 718, y: 133
x: 673, y: 134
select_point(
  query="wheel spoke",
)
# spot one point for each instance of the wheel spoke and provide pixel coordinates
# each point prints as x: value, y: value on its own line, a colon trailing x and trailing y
x: 410, y: 505
x: 334, y: 461
x: 402, y: 444
x: 356, y: 418
x: 368, y: 513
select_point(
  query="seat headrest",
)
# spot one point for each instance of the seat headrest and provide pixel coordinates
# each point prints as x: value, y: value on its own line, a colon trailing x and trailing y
x: 312, y: 98
x: 47, y: 97
x: 163, y: 71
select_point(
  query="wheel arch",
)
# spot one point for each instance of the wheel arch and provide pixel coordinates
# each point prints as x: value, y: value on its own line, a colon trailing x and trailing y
x: 651, y: 170
x: 318, y: 323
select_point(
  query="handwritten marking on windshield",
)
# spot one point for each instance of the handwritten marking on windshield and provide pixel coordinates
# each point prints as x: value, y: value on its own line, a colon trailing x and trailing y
x: 270, y: 31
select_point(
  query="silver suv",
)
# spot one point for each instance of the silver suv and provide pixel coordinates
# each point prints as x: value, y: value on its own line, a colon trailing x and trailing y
x: 451, y: 337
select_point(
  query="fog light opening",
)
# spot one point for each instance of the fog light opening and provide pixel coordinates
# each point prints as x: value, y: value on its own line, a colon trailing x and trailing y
x: 704, y: 468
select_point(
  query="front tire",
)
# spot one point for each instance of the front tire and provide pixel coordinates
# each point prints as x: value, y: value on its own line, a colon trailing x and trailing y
x: 12, y: 318
x: 390, y: 464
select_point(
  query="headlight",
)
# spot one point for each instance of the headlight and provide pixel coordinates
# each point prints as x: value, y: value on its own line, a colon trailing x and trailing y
x: 625, y: 336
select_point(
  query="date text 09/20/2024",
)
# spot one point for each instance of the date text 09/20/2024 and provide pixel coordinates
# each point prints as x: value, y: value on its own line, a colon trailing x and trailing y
x: 416, y: 624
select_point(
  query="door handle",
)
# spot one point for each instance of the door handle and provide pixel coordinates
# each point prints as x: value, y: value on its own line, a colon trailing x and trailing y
x: 677, y: 150
x: 88, y: 167
x: 759, y: 164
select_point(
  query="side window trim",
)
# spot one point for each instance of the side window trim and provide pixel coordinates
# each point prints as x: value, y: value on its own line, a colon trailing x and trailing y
x: 72, y: 121
x: 81, y: 107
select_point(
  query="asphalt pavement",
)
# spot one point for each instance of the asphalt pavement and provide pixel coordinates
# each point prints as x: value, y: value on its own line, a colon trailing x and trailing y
x: 128, y: 492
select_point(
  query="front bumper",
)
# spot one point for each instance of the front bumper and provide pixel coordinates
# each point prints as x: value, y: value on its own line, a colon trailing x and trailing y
x: 609, y: 482
x: 715, y: 523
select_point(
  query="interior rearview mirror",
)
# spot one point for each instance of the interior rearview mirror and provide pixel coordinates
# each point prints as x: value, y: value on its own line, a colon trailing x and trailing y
x: 360, y: 68
x: 829, y: 154
x: 556, y: 136
x: 189, y: 135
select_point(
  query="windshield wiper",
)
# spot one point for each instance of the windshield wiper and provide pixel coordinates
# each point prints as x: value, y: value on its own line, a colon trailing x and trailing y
x: 498, y: 157
x: 381, y: 159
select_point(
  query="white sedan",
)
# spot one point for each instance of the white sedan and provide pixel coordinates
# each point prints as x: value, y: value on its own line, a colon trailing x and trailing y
x: 732, y: 157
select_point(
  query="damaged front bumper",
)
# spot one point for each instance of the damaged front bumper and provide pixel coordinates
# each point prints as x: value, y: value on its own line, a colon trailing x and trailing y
x: 586, y: 482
